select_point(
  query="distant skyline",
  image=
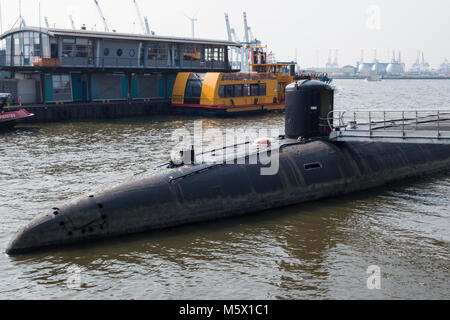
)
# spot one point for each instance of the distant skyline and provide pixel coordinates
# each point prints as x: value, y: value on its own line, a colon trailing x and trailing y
x: 308, y: 27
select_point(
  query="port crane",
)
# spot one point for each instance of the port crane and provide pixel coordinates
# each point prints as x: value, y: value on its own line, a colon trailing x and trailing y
x: 72, y: 22
x: 249, y: 40
x: 143, y: 21
x: 21, y: 20
x: 100, y: 12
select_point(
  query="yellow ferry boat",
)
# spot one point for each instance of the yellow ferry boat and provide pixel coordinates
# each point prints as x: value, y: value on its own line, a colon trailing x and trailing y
x: 262, y: 90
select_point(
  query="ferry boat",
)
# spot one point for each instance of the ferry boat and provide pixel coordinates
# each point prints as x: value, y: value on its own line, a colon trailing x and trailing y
x: 259, y: 91
x: 10, y: 117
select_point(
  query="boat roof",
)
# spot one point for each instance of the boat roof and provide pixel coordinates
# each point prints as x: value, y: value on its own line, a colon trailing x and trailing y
x: 118, y: 36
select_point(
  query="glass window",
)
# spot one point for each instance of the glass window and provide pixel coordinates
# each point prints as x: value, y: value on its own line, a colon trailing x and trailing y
x: 61, y: 83
x: 246, y: 92
x: 262, y: 89
x: 192, y: 53
x: 68, y: 50
x: 17, y: 47
x: 193, y: 91
x: 157, y: 51
x: 222, y: 91
x: 254, y: 90
x: 229, y: 91
x: 238, y: 90
x: 69, y: 41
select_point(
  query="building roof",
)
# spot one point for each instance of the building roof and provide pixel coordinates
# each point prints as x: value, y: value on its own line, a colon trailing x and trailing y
x: 118, y: 36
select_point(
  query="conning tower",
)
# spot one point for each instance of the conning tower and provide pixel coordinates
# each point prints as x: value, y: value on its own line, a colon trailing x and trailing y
x: 308, y: 105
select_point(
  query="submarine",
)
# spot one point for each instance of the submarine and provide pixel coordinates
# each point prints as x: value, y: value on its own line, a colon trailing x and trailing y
x: 311, y: 167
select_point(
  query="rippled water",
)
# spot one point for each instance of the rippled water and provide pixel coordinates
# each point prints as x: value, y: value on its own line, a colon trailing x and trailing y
x: 312, y: 251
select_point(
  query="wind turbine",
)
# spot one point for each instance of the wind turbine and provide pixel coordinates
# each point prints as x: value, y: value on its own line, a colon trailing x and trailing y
x: 193, y: 21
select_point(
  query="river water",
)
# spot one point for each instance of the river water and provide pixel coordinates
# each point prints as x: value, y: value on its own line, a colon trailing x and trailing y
x: 318, y: 250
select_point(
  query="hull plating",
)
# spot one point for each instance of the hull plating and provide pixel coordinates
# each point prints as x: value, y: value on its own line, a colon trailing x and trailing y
x: 191, y: 194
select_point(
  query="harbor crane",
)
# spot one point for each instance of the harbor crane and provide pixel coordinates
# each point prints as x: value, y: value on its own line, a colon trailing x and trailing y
x: 147, y: 27
x: 100, y: 12
x: 229, y: 32
x: 246, y: 29
x: 144, y: 22
x: 21, y: 20
x: 72, y: 22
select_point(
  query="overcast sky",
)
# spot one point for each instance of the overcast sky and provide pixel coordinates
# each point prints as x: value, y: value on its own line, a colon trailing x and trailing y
x: 311, y: 27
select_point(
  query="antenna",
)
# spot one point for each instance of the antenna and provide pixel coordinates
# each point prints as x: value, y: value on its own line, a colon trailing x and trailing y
x: 193, y: 21
x: 100, y: 12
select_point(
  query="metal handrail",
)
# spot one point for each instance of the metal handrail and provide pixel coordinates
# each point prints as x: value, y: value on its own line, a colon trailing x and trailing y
x: 368, y: 124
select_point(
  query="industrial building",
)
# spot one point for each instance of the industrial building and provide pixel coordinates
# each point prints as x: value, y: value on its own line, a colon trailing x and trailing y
x: 57, y: 65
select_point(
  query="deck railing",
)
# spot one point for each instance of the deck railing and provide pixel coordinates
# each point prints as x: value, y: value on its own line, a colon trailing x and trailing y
x: 413, y: 125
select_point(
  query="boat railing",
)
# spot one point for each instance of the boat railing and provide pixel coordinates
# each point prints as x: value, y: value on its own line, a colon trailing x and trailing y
x: 411, y: 125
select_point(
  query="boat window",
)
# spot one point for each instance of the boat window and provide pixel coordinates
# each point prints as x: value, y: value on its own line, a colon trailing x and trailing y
x: 229, y: 92
x: 239, y: 90
x: 193, y: 91
x: 262, y: 89
x: 246, y: 90
x: 254, y: 90
x: 242, y: 90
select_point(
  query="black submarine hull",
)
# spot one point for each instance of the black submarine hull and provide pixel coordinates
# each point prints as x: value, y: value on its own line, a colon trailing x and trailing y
x: 308, y: 171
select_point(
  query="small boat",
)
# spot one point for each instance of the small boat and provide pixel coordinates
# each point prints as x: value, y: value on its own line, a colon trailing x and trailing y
x: 10, y: 116
x: 374, y: 78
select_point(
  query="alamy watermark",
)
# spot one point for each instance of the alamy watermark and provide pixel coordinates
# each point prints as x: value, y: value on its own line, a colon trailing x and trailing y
x: 228, y: 146
x: 374, y: 280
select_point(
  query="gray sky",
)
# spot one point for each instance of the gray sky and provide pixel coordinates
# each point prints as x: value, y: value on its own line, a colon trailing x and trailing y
x: 310, y: 26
